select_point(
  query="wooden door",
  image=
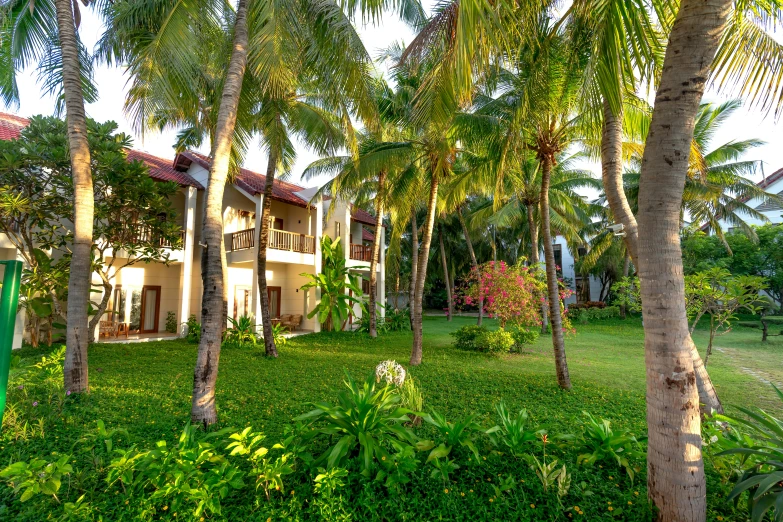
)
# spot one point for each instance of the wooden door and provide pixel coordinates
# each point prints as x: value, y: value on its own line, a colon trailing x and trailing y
x: 241, y: 301
x: 150, y: 309
x: 273, y: 294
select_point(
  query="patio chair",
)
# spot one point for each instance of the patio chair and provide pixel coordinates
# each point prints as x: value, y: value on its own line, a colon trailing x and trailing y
x: 293, y: 322
x: 107, y: 329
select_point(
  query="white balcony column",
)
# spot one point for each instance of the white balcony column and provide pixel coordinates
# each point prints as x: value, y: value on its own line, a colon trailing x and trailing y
x: 381, y: 297
x: 255, y: 295
x: 317, y: 260
x: 186, y: 274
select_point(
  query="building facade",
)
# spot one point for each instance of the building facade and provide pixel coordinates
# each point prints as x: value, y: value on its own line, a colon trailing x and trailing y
x: 146, y: 294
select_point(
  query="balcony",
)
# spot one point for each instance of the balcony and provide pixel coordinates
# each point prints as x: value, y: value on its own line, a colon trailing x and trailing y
x: 278, y: 240
x: 143, y: 234
x: 361, y: 252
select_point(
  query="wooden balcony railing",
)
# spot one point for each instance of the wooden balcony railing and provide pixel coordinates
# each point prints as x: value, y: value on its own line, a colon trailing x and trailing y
x: 278, y: 239
x: 361, y: 252
x: 143, y: 234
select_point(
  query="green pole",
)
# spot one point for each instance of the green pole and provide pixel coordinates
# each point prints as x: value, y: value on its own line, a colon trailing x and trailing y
x: 8, y: 305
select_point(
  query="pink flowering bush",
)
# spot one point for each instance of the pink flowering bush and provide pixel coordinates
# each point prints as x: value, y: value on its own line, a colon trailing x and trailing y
x: 511, y: 293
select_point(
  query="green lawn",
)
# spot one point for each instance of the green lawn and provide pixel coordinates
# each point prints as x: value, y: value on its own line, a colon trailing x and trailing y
x: 145, y: 388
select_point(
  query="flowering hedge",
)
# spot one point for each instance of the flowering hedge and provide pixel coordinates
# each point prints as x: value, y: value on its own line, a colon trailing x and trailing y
x: 511, y: 293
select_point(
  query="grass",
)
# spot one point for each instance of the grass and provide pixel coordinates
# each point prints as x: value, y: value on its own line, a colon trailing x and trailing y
x: 145, y: 388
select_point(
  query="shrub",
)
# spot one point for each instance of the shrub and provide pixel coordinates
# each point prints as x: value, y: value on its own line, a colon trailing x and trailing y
x: 523, y: 336
x: 762, y: 448
x: 585, y: 315
x: 496, y: 342
x: 193, y: 328
x: 398, y: 320
x: 465, y: 337
x: 411, y: 399
x: 367, y: 420
x: 242, y: 332
x: 171, y: 322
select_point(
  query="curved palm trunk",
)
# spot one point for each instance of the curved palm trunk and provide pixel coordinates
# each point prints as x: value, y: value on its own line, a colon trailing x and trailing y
x: 414, y: 265
x: 263, y: 242
x: 75, y: 376
x: 531, y: 225
x: 449, y: 296
x: 611, y: 172
x: 421, y: 272
x: 108, y: 288
x: 203, y: 409
x: 676, y: 483
x: 558, y: 342
x: 473, y: 261
x: 376, y: 250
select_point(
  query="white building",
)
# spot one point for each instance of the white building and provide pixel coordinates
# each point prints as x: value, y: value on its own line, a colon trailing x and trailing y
x: 145, y: 293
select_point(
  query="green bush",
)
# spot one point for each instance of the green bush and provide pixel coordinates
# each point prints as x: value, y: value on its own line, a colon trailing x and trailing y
x: 497, y: 342
x: 193, y: 328
x: 585, y: 315
x: 523, y: 336
x: 171, y: 322
x: 465, y: 337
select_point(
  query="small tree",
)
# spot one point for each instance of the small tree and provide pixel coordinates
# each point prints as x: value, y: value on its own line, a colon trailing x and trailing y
x: 511, y: 293
x: 720, y: 295
x: 133, y: 217
x: 627, y: 295
x: 340, y: 290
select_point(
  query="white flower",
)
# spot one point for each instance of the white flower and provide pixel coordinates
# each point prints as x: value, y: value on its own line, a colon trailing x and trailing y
x: 390, y: 372
x: 714, y: 438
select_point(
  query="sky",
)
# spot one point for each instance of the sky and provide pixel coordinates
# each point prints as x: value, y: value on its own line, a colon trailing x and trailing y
x: 112, y: 84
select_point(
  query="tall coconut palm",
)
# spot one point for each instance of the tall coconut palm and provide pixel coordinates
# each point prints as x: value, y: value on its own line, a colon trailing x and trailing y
x: 45, y: 34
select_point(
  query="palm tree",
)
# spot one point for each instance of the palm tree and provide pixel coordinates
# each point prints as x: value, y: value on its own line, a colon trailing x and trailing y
x: 716, y: 187
x: 46, y: 34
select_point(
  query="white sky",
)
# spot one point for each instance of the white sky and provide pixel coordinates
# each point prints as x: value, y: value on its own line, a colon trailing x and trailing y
x: 112, y: 87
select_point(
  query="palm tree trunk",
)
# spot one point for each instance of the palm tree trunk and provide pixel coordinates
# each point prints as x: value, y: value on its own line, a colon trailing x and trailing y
x: 611, y: 171
x: 421, y: 272
x: 263, y: 243
x: 414, y: 264
x: 626, y: 271
x: 675, y: 469
x: 533, y: 228
x: 473, y: 261
x: 553, y: 290
x: 444, y: 262
x: 75, y: 376
x: 612, y: 174
x: 376, y: 250
x: 203, y: 409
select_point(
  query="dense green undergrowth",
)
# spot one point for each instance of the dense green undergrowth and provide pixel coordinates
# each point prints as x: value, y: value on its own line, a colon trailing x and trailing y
x: 140, y: 393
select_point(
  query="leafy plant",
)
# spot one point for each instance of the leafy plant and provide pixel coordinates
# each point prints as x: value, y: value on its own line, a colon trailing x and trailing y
x: 495, y: 342
x: 100, y: 442
x: 193, y: 328
x: 171, y: 322
x: 599, y: 443
x: 381, y: 326
x: 514, y: 433
x: 522, y: 336
x: 330, y: 505
x: 367, y: 420
x: 37, y: 477
x: 193, y: 474
x: 412, y: 399
x: 453, y: 434
x: 763, y: 449
x: 269, y: 472
x: 465, y: 337
x: 278, y: 334
x: 398, y: 320
x: 242, y: 332
x: 340, y: 290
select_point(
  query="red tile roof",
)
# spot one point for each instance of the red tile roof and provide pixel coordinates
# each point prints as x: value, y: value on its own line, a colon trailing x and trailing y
x: 11, y: 125
x: 772, y: 178
x: 159, y: 168
x: 367, y: 235
x: 362, y: 216
x: 163, y: 169
x: 249, y: 181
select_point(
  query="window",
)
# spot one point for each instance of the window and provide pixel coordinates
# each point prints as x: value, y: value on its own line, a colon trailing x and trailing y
x: 559, y: 259
x: 582, y: 289
x: 581, y: 251
x: 117, y: 308
x: 277, y: 224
